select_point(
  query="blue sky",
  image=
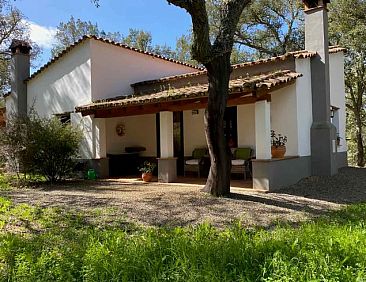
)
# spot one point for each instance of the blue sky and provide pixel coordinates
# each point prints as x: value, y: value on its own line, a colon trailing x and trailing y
x: 165, y: 22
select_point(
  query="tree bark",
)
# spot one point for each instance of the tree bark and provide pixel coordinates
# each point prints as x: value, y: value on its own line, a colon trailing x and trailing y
x: 360, y: 147
x: 218, y: 181
x: 216, y: 58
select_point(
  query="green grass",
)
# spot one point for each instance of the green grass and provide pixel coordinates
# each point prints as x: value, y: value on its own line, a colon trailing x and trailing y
x: 4, y: 182
x: 49, y: 244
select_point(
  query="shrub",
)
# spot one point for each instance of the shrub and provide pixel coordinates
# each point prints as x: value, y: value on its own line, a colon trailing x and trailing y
x: 35, y: 145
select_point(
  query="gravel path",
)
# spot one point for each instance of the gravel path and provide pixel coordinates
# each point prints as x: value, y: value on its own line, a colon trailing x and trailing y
x: 156, y: 204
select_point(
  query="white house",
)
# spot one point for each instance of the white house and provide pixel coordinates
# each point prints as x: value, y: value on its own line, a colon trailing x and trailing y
x: 123, y: 97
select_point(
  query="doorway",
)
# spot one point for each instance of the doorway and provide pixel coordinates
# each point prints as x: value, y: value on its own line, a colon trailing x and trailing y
x: 178, y: 141
x: 231, y: 126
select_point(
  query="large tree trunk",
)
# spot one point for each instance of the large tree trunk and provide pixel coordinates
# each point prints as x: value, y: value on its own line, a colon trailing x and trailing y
x: 360, y: 148
x: 216, y: 58
x: 218, y: 181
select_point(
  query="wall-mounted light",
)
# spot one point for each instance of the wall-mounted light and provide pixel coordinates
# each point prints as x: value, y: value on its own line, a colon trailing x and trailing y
x: 333, y: 111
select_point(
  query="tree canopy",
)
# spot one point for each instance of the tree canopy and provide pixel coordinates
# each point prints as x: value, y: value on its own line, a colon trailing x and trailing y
x: 348, y: 29
x: 13, y: 25
x: 72, y: 30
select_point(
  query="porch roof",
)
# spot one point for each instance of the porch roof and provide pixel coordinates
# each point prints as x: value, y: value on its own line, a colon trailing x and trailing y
x: 191, y: 97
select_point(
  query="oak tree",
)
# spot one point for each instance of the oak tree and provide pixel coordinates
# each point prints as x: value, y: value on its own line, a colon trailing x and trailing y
x: 267, y: 28
x: 348, y: 29
x: 13, y: 25
x: 214, y: 54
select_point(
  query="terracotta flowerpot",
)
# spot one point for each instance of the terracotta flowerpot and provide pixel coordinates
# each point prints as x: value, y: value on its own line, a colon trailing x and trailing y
x: 147, y: 176
x: 278, y: 152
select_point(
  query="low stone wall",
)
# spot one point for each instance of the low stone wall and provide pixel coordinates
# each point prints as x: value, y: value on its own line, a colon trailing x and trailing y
x: 275, y: 174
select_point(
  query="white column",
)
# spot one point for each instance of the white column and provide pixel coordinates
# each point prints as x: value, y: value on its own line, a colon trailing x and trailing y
x: 166, y: 135
x: 85, y: 124
x: 263, y: 130
x: 99, y: 138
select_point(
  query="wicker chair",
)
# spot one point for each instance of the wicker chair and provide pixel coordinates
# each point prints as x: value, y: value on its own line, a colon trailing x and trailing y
x: 241, y: 161
x: 194, y: 163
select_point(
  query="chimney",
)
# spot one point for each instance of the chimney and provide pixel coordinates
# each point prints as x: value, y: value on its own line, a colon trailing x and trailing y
x: 19, y: 71
x: 323, y: 132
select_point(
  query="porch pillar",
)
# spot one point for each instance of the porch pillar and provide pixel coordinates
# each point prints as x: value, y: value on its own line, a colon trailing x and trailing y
x: 99, y: 138
x: 100, y: 162
x: 263, y: 130
x: 261, y: 171
x: 167, y: 164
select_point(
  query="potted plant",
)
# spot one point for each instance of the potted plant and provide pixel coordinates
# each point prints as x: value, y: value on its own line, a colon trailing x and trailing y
x: 278, y: 142
x: 147, y: 171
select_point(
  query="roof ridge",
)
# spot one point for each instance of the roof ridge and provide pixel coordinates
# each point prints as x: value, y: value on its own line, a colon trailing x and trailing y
x: 108, y: 41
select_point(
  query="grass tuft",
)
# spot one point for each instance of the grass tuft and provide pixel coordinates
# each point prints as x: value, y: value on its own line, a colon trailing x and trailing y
x: 51, y: 244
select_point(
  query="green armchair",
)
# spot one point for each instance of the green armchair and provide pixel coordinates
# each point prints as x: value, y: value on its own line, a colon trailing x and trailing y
x: 241, y: 161
x: 194, y: 163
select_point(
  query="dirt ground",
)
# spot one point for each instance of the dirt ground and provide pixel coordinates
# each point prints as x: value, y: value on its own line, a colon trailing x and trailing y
x: 177, y: 204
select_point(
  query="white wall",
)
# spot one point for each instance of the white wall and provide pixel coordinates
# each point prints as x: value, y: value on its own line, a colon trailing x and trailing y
x: 246, y: 125
x: 304, y: 106
x: 85, y: 124
x: 337, y: 94
x: 10, y: 106
x: 139, y: 131
x: 283, y: 117
x: 64, y: 84
x: 114, y: 69
x: 194, y: 131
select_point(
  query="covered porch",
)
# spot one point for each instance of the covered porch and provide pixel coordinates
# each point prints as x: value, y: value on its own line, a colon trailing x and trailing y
x: 168, y: 125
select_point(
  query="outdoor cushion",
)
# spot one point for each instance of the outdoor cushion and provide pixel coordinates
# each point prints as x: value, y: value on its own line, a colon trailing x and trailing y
x: 243, y: 153
x: 193, y: 162
x: 237, y: 162
x: 199, y: 153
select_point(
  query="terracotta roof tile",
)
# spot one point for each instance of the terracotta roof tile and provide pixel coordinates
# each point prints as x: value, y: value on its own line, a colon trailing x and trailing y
x: 336, y: 49
x: 244, y: 84
x: 297, y: 54
x: 302, y: 54
x: 86, y: 37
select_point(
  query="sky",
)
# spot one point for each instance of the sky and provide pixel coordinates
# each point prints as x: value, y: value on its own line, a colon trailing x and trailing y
x: 165, y: 22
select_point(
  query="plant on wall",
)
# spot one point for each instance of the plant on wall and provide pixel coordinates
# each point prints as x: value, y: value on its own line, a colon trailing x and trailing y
x: 277, y: 140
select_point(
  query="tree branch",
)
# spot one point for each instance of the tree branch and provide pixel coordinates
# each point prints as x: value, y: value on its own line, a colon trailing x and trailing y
x: 201, y: 48
x: 230, y: 16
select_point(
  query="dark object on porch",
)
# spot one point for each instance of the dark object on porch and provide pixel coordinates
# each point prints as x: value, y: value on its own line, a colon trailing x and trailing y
x: 195, y: 163
x: 241, y: 161
x: 135, y: 149
x: 125, y: 163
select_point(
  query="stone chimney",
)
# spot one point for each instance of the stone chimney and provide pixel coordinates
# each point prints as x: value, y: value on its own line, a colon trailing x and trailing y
x: 323, y: 132
x: 20, y: 70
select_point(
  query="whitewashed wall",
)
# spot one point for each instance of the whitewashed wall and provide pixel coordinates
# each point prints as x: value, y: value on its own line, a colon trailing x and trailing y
x: 337, y: 94
x: 246, y: 126
x: 284, y: 117
x: 304, y: 106
x: 114, y: 69
x: 64, y: 84
x: 85, y: 124
x: 140, y: 131
x: 194, y: 131
x: 10, y: 106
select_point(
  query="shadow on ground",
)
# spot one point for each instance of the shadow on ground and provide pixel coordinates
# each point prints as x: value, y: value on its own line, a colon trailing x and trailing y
x: 157, y: 204
x: 348, y: 186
